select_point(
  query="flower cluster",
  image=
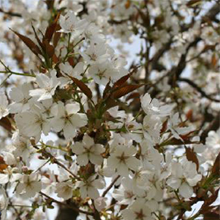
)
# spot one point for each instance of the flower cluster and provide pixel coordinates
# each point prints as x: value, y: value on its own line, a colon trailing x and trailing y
x: 107, y: 141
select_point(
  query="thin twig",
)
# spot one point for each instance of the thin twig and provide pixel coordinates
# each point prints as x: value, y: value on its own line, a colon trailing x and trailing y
x: 66, y: 205
x: 191, y: 83
x: 18, y: 74
x: 13, y: 14
x: 110, y: 186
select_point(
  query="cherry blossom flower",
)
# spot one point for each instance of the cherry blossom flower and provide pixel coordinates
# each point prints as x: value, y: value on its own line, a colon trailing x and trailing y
x: 89, y: 187
x: 137, y: 211
x: 125, y: 194
x: 183, y: 177
x: 100, y: 203
x: 68, y: 119
x: 88, y: 151
x: 74, y: 72
x: 96, y: 53
x: 71, y: 24
x: 102, y: 72
x: 20, y: 97
x: 47, y: 85
x: 154, y: 107
x: 10, y: 174
x: 31, y: 124
x: 65, y: 190
x: 123, y: 159
x: 176, y: 129
x: 29, y: 185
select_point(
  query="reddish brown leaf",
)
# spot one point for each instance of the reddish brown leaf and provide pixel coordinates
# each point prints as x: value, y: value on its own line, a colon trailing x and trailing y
x: 188, y: 135
x: 164, y: 127
x: 49, y: 3
x: 111, y: 103
x: 175, y: 141
x: 56, y: 36
x: 71, y: 61
x: 49, y: 49
x: 189, y: 115
x: 123, y: 79
x: 55, y: 58
x: 30, y: 44
x: 216, y: 166
x: 6, y: 124
x: 125, y: 90
x: 193, y: 3
x: 107, y: 90
x: 211, y: 216
x: 84, y: 88
x: 51, y: 30
x: 37, y: 38
x: 206, y: 205
x: 3, y: 165
x: 214, y: 60
x: 127, y: 4
x: 191, y: 156
x: 134, y: 95
x: 208, y: 47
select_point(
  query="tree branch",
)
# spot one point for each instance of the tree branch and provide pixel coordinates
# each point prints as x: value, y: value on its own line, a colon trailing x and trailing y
x: 191, y: 83
x: 214, y: 125
x: 11, y: 13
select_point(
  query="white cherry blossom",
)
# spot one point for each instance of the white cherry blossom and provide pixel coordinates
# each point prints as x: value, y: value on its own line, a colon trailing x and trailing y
x: 47, y: 84
x: 123, y: 159
x: 68, y: 119
x: 138, y: 210
x: 89, y: 187
x: 20, y: 97
x: 29, y: 186
x: 88, y: 151
x: 64, y: 190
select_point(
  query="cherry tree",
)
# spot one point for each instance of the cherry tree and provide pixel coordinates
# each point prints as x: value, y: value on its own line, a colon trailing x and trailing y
x: 91, y: 129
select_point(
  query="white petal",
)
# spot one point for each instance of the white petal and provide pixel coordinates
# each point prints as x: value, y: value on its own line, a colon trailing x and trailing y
x: 82, y: 159
x: 72, y: 108
x: 185, y: 190
x: 78, y: 148
x: 88, y: 141
x: 4, y: 178
x: 69, y: 131
x: 174, y: 183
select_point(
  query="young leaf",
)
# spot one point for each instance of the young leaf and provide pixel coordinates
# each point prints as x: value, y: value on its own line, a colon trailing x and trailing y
x: 107, y: 90
x: 6, y: 124
x: 216, y: 166
x: 3, y: 165
x: 51, y: 30
x: 134, y: 95
x: 191, y: 156
x: 49, y: 49
x: 84, y: 88
x: 125, y: 90
x: 31, y: 45
x: 56, y: 36
x: 206, y: 205
x: 38, y: 40
x: 123, y: 79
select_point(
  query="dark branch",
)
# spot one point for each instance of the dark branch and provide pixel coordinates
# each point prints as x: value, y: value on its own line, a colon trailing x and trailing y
x: 191, y: 83
x: 13, y: 14
x: 214, y: 125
